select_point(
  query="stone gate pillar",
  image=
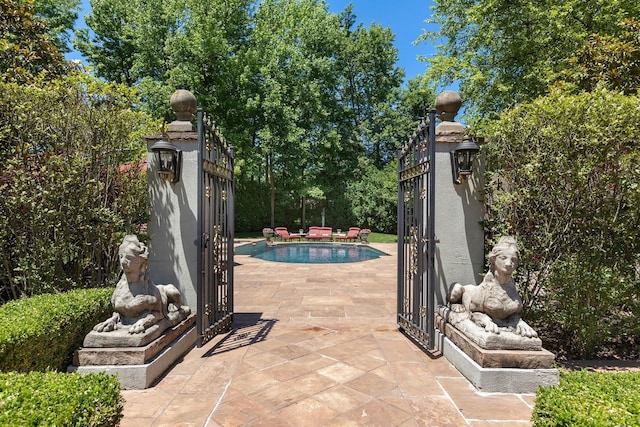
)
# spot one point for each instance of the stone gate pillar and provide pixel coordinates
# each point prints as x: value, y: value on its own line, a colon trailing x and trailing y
x: 459, y: 254
x: 172, y: 226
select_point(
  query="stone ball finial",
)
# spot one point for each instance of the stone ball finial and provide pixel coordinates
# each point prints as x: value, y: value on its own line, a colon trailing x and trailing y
x: 447, y: 105
x: 184, y: 104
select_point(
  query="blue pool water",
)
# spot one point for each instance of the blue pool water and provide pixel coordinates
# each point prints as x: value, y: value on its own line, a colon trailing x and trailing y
x: 310, y: 253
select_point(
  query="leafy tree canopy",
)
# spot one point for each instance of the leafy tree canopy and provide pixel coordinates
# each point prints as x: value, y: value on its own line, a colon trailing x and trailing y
x: 301, y: 92
x: 504, y: 52
x: 61, y: 16
x: 160, y: 46
x: 26, y: 48
x: 612, y: 60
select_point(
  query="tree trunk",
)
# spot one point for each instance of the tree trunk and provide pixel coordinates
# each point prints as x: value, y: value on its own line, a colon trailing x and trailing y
x: 272, y: 187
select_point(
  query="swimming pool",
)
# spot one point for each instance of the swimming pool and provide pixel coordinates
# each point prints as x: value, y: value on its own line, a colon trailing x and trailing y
x: 310, y: 253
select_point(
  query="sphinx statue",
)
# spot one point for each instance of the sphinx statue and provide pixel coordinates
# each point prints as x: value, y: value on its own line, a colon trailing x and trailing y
x: 142, y: 310
x: 490, y: 313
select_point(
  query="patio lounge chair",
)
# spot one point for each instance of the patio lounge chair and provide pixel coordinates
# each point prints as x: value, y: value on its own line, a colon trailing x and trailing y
x: 319, y: 233
x: 351, y: 235
x: 283, y: 234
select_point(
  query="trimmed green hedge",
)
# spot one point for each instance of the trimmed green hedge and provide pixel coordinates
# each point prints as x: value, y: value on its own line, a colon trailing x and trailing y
x: 590, y: 399
x: 59, y: 399
x: 42, y: 332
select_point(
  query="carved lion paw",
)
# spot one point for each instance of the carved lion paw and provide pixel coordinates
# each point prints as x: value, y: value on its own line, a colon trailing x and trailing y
x: 525, y: 330
x: 137, y: 328
x: 106, y: 326
x: 492, y: 327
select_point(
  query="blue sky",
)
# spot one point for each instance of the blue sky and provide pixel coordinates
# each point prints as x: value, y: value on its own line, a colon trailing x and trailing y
x: 404, y: 17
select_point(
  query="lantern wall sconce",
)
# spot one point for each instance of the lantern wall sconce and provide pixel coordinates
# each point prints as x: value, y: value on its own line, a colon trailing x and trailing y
x: 169, y: 160
x: 462, y: 160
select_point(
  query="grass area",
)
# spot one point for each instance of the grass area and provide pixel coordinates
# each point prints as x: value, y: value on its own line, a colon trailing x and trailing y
x: 255, y: 235
x: 383, y: 238
x: 373, y: 237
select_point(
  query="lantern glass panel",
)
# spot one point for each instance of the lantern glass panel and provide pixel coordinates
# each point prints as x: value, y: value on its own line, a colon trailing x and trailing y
x: 166, y: 160
x: 464, y: 160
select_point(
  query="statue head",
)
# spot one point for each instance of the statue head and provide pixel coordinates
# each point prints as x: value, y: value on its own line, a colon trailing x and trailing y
x: 505, y: 252
x: 133, y: 256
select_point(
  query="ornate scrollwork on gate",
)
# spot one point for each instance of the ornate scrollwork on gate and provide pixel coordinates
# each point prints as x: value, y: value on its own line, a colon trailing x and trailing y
x: 416, y: 160
x: 215, y: 224
x: 219, y: 170
x: 413, y: 249
x: 216, y: 253
x: 415, y: 171
x: 224, y: 304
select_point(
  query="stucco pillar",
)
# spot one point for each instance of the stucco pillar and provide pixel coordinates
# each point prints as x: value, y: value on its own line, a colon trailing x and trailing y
x: 172, y: 227
x: 459, y: 254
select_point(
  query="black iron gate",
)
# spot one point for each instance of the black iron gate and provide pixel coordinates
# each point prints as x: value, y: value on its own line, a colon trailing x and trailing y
x: 215, y: 229
x: 416, y: 236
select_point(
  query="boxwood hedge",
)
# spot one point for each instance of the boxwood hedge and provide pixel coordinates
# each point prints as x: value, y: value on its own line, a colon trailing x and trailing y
x: 41, y: 333
x: 589, y: 399
x: 59, y: 399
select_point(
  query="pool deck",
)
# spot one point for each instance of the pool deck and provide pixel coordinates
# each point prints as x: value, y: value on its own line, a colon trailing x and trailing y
x: 318, y: 345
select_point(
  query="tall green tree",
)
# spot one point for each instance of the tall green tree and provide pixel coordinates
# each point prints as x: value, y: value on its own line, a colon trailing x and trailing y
x: 159, y: 46
x: 299, y: 91
x: 503, y: 52
x: 110, y: 47
x: 417, y: 99
x: 369, y: 87
x: 611, y: 60
x: 61, y: 16
x: 292, y: 70
x: 324, y: 96
x: 26, y: 47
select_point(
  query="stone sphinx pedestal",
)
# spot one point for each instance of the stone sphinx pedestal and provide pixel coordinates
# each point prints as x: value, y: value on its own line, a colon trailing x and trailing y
x: 495, y: 370
x: 137, y: 367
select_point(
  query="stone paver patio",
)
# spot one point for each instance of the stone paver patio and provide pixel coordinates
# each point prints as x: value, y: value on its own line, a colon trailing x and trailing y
x: 317, y: 345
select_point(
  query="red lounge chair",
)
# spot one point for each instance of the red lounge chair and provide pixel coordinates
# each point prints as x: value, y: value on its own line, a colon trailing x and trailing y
x: 313, y: 233
x: 320, y: 233
x: 284, y: 234
x: 352, y: 235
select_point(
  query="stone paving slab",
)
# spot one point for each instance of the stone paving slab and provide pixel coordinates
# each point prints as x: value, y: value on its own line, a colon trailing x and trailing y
x: 317, y: 345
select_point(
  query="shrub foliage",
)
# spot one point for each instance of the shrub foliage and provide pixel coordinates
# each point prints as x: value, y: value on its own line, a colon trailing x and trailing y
x: 59, y: 399
x: 73, y: 183
x: 42, y: 332
x: 564, y: 177
x: 583, y: 398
